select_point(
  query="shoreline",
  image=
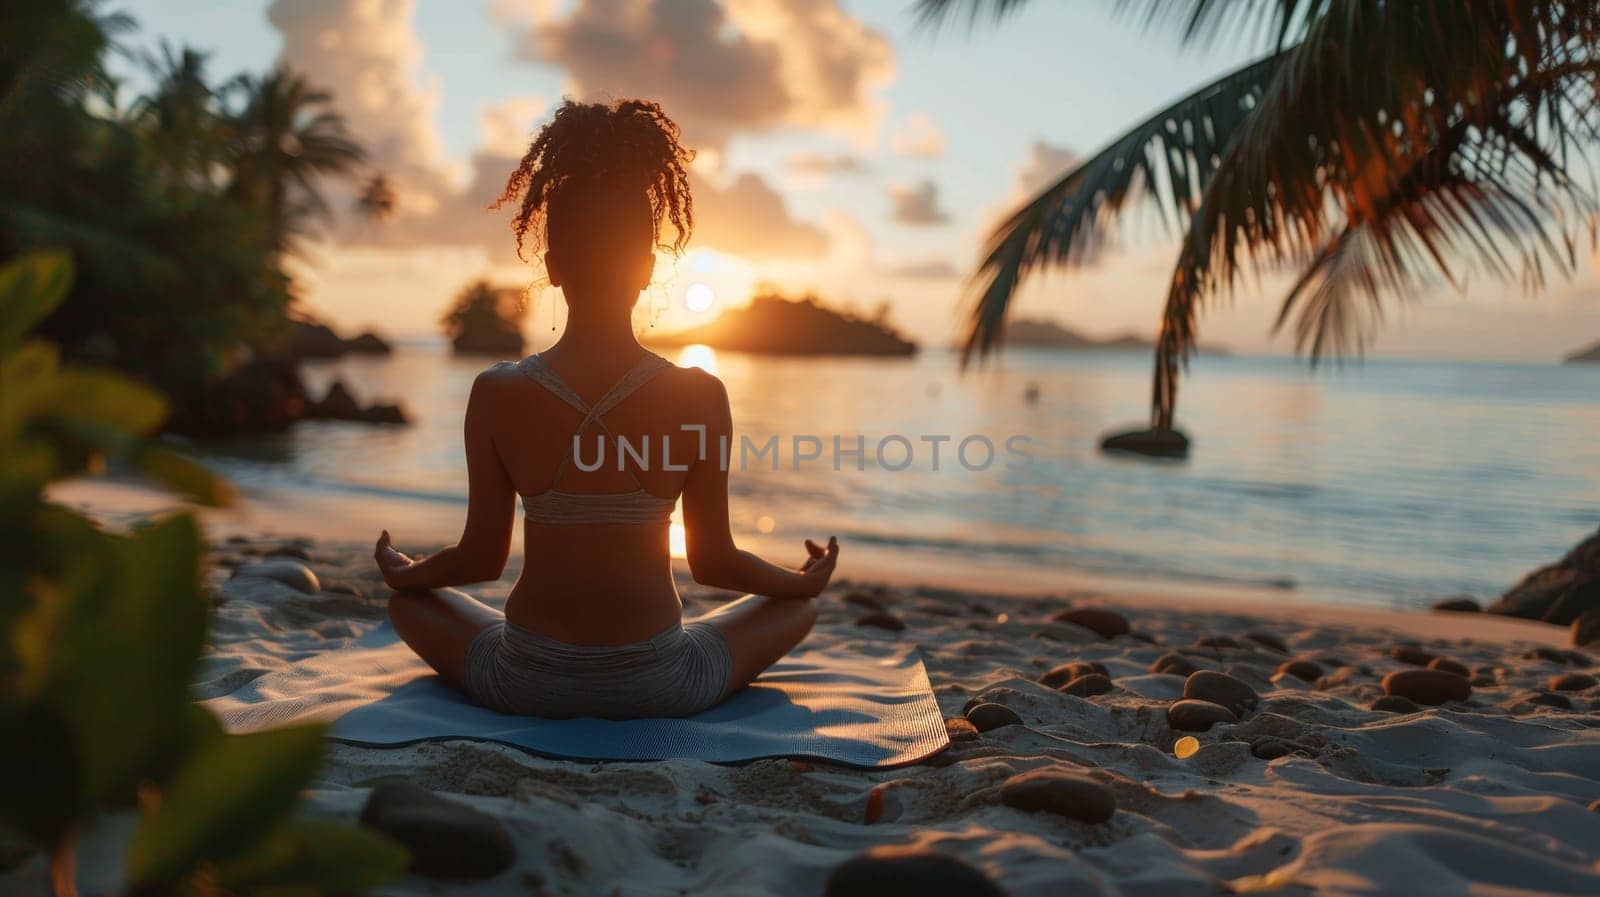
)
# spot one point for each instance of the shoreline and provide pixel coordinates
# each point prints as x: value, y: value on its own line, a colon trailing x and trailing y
x: 335, y: 523
x: 425, y: 525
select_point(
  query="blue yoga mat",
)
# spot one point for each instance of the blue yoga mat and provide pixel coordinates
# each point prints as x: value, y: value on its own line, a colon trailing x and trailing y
x: 858, y: 709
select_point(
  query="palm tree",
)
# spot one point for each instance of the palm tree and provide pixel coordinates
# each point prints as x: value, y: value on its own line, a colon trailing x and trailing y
x: 180, y: 118
x: 1466, y: 147
x: 286, y: 137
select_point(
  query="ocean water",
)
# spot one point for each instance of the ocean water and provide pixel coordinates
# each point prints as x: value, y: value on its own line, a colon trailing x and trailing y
x: 1385, y: 483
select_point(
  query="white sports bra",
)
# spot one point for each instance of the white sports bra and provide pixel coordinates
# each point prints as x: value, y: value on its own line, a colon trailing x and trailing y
x: 558, y: 508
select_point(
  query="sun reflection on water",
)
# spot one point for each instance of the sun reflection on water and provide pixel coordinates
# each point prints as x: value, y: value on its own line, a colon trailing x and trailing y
x: 699, y: 356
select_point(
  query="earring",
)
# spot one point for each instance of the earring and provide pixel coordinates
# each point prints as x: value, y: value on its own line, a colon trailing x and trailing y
x: 656, y: 310
x: 533, y: 297
x: 663, y: 287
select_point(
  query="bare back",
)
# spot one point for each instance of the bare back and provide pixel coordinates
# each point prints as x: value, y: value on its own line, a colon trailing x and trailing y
x: 588, y: 583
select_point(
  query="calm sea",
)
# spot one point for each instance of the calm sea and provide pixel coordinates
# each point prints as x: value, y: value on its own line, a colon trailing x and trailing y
x: 1387, y: 482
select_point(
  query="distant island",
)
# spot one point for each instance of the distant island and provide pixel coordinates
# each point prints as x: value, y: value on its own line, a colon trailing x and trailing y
x: 774, y: 325
x: 1591, y: 354
x: 1038, y: 333
x: 486, y: 320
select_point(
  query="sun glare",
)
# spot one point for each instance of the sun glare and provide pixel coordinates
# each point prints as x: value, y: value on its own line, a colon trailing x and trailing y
x: 699, y: 356
x: 677, y: 537
x: 699, y: 297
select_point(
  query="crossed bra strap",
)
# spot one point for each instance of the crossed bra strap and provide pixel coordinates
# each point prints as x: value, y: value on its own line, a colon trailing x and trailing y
x: 565, y: 508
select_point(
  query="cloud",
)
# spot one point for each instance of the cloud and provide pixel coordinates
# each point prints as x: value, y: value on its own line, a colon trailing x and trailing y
x: 917, y: 137
x: 369, y: 53
x: 1044, y: 164
x: 751, y: 66
x: 507, y: 127
x: 937, y: 268
x: 917, y: 204
x: 366, y: 53
x: 749, y: 218
x: 819, y: 165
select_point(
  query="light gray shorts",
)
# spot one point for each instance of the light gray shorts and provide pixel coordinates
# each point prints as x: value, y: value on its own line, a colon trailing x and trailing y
x: 679, y: 672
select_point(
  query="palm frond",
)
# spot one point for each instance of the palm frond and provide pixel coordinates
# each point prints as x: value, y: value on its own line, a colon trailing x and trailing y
x: 934, y: 13
x: 1169, y: 158
x: 1255, y: 23
x: 1377, y: 178
x: 1261, y: 23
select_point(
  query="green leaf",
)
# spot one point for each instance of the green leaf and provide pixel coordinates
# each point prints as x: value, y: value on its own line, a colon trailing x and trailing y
x: 25, y: 376
x: 30, y: 288
x: 105, y: 399
x: 184, y: 475
x: 114, y: 643
x: 224, y: 799
x: 315, y: 856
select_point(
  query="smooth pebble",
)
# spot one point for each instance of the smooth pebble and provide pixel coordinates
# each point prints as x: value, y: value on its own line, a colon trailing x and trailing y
x: 987, y: 717
x: 1072, y: 795
x: 898, y: 871
x: 1427, y: 686
x: 1221, y: 688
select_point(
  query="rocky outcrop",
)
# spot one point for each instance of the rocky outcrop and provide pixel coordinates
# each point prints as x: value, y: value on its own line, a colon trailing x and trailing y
x: 266, y: 395
x: 1591, y: 354
x: 1155, y: 443
x: 262, y: 395
x: 341, y: 404
x: 1560, y: 592
x: 310, y: 338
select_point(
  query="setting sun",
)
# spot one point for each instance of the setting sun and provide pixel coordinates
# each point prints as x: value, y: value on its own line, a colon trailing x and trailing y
x: 699, y: 297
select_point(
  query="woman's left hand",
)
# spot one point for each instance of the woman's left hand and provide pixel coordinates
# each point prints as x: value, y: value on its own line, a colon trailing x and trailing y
x: 390, y: 559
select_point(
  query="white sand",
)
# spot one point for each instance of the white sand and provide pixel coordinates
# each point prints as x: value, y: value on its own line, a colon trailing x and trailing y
x: 1485, y: 798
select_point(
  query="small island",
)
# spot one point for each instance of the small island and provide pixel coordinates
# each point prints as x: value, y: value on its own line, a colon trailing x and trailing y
x: 1040, y: 333
x: 487, y: 320
x: 774, y: 325
x: 1590, y: 355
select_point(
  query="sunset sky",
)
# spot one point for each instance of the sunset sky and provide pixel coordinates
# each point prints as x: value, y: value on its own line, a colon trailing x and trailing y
x: 841, y: 149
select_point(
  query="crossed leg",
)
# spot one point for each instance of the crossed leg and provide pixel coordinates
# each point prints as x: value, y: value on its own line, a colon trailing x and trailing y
x: 440, y: 624
x: 759, y: 630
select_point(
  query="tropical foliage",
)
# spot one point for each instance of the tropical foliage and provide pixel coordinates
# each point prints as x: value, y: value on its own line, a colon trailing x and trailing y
x: 178, y: 206
x: 1374, y: 147
x: 100, y: 636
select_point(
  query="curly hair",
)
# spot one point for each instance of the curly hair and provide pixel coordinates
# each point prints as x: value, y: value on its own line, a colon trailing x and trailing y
x: 623, y: 146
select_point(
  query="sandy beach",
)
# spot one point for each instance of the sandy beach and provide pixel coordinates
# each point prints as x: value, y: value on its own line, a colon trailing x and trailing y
x: 1311, y: 792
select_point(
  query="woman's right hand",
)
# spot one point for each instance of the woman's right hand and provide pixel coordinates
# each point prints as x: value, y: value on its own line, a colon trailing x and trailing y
x: 819, y: 565
x: 391, y: 561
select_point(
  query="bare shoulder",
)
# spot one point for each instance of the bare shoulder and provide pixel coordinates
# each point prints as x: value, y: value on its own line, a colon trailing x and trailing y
x: 703, y: 389
x: 497, y: 375
x: 495, y: 383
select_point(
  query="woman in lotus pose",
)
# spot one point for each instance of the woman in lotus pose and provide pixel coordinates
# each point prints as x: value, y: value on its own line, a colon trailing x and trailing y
x: 594, y: 626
